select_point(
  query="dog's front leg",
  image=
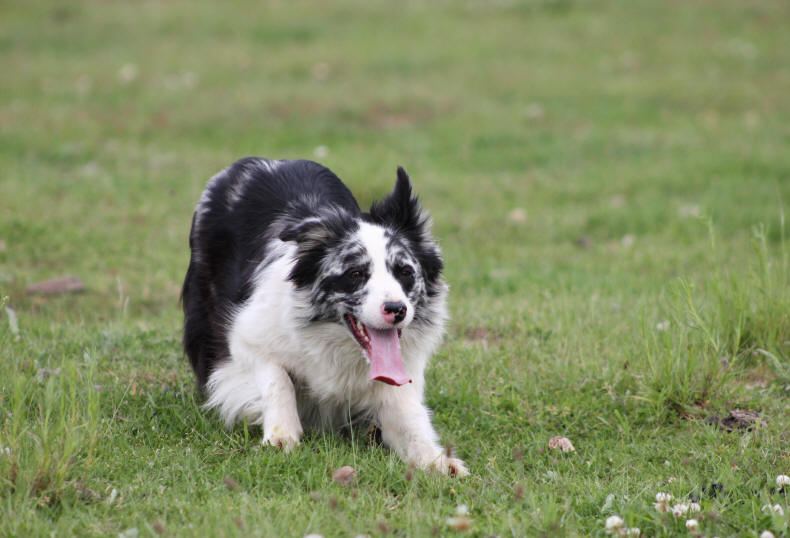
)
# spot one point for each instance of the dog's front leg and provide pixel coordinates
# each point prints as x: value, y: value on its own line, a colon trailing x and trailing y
x: 260, y: 390
x: 281, y: 426
x: 406, y: 428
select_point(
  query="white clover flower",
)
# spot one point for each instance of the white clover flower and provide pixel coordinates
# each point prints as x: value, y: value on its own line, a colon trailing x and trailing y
x: 128, y: 73
x: 663, y: 497
x: 692, y: 525
x: 661, y: 507
x: 776, y: 509
x: 680, y: 510
x: 694, y: 508
x: 633, y: 531
x: 783, y: 480
x: 614, y: 523
x: 767, y: 534
x: 459, y: 523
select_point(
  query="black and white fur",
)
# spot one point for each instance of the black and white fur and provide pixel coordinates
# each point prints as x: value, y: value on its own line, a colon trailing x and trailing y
x: 283, y: 263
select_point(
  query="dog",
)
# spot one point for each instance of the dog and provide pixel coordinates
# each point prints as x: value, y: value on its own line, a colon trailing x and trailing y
x: 303, y: 311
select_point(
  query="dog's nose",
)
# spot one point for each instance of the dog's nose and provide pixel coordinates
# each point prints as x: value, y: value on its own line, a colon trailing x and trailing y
x: 394, y: 311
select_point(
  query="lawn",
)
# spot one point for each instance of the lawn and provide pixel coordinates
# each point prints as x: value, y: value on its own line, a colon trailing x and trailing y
x: 608, y: 181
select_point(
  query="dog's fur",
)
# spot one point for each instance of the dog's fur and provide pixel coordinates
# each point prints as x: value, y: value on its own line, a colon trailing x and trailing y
x: 285, y: 269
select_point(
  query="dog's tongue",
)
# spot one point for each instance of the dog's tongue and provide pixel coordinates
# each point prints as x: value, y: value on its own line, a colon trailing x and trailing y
x: 385, y: 359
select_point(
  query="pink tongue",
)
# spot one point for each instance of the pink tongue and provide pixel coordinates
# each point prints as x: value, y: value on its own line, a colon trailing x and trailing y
x: 385, y: 359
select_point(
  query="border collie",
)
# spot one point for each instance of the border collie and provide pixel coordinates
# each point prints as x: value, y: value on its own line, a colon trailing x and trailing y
x: 301, y: 310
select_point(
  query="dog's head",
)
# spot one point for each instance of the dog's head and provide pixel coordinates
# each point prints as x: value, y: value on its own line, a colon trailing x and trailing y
x: 376, y: 274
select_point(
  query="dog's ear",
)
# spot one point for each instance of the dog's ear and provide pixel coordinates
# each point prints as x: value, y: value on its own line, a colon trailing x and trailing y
x: 401, y: 208
x: 309, y: 226
x: 314, y: 236
x: 309, y: 230
x: 402, y: 212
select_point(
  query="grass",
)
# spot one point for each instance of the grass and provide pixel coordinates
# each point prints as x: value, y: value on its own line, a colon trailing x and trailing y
x: 641, y: 288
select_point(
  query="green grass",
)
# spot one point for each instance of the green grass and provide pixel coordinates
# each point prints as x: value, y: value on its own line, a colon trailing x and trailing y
x: 644, y: 290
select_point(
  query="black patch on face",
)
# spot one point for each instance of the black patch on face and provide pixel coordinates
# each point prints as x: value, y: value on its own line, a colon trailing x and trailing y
x: 352, y: 256
x: 347, y: 282
x: 404, y: 274
x: 402, y: 264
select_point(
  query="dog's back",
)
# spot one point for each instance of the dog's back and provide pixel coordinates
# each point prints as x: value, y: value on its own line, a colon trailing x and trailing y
x: 234, y: 214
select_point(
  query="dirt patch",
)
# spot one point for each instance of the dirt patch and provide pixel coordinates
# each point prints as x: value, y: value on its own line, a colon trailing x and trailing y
x: 737, y: 419
x: 66, y: 284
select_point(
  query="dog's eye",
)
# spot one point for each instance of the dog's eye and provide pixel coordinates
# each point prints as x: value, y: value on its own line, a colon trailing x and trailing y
x: 355, y: 274
x: 406, y: 270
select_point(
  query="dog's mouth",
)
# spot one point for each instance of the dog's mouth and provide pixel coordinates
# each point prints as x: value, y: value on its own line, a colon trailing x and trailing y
x: 382, y: 348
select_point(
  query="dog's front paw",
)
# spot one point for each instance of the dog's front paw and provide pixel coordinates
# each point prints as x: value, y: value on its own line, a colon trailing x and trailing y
x: 282, y: 438
x: 441, y: 462
x: 450, y: 466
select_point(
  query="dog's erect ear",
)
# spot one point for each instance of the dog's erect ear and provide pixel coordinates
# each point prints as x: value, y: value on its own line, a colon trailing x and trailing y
x: 400, y: 209
x: 402, y: 212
